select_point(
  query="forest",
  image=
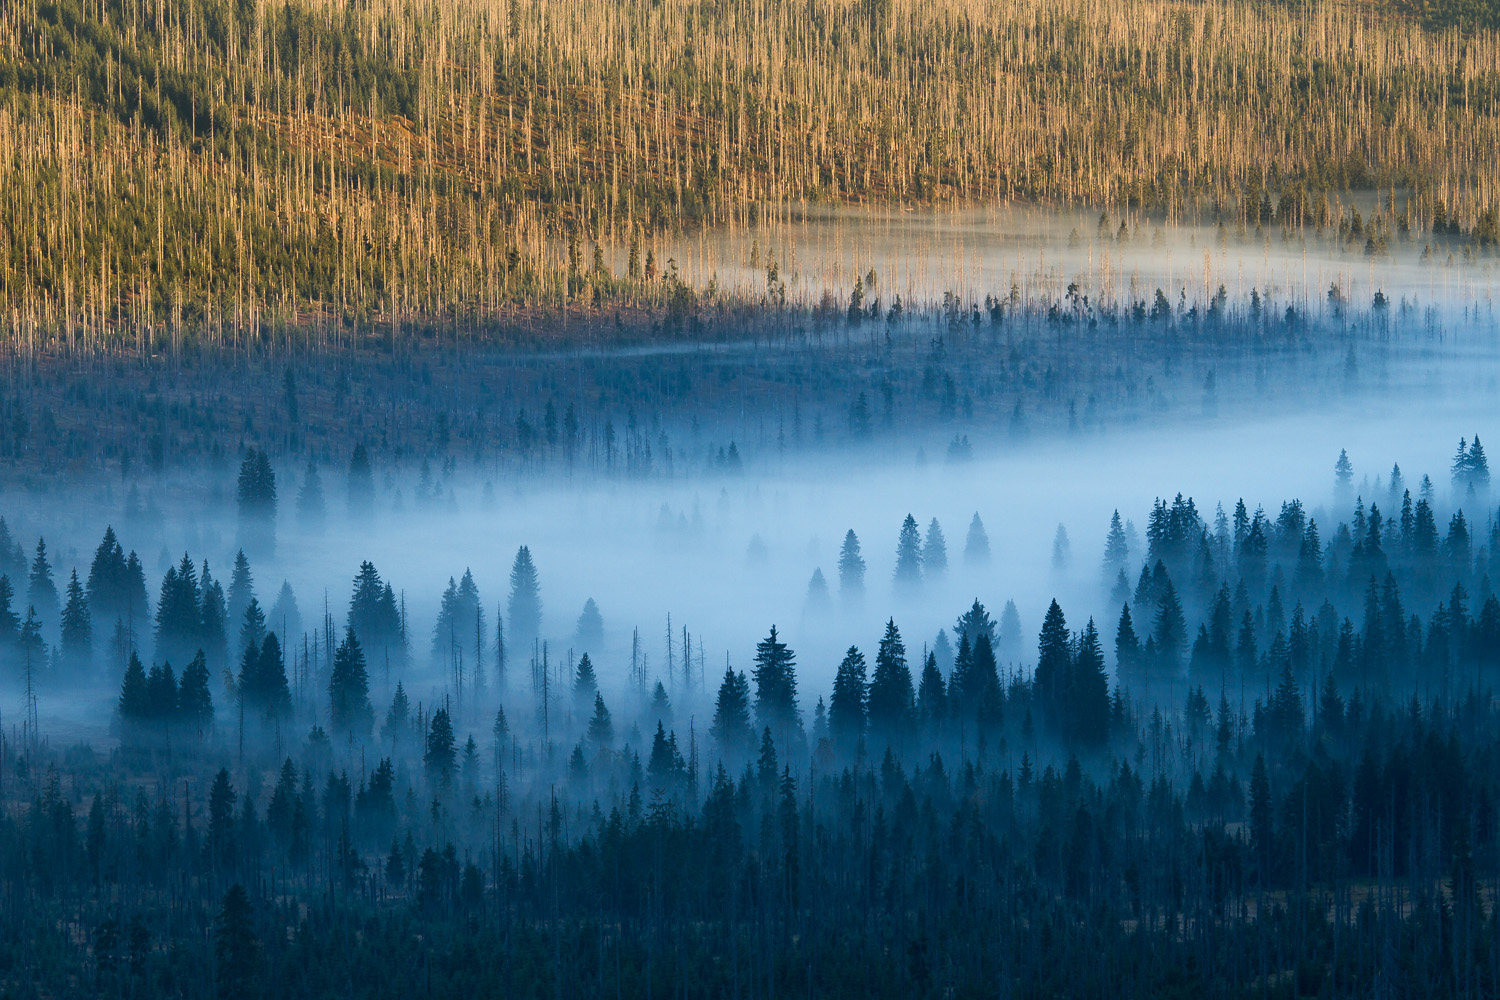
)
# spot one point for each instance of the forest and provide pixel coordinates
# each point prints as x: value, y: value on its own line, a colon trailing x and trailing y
x: 239, y: 173
x: 749, y: 498
x: 1247, y: 749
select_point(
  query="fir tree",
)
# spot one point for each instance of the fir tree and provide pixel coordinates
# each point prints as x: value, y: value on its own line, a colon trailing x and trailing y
x: 241, y: 590
x: 976, y: 544
x: 846, y: 708
x: 935, y: 550
x: 932, y: 697
x: 851, y: 567
x: 311, y: 508
x: 41, y: 591
x: 349, y: 689
x: 441, y: 755
x: 585, y: 683
x: 1053, y: 656
x: 731, y: 729
x: 601, y: 728
x: 195, y: 706
x: 524, y: 609
x: 10, y: 622
x: 397, y: 717
x: 909, y: 553
x: 892, y: 701
x: 77, y: 646
x: 776, y: 685
x: 1089, y: 692
x: 590, y: 628
x: 361, y: 483
x: 237, y: 954
x: 134, y: 705
x: 1116, y: 547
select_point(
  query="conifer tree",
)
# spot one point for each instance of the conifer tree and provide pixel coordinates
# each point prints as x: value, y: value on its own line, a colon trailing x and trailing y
x: 909, y: 554
x: 1116, y: 547
x: 590, y: 627
x: 441, y: 754
x: 349, y: 689
x: 41, y: 591
x: 776, y: 685
x: 1089, y: 694
x: 361, y: 483
x: 311, y: 507
x: 10, y: 622
x: 601, y: 727
x: 932, y: 697
x: 976, y: 544
x: 106, y: 582
x: 135, y: 696
x: 77, y: 645
x: 847, y: 706
x: 397, y: 717
x: 1127, y: 646
x: 252, y: 624
x: 237, y: 953
x: 1053, y: 656
x: 195, y: 704
x: 585, y: 683
x: 935, y: 550
x: 892, y: 700
x: 524, y: 609
x: 731, y: 723
x: 851, y: 568
x: 275, y: 696
x: 1170, y: 631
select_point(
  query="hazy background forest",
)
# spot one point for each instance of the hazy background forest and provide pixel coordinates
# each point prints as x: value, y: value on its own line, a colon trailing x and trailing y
x: 856, y: 498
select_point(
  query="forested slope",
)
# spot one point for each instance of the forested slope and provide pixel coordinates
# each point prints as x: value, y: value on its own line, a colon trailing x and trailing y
x: 217, y: 169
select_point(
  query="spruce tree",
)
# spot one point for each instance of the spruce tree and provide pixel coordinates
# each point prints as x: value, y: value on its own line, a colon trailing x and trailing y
x: 349, y: 689
x: 909, y: 553
x: 601, y: 727
x: 731, y: 729
x: 585, y: 683
x: 252, y: 624
x: 847, y: 706
x: 276, y: 695
x: 1170, y: 631
x: 441, y: 754
x: 1053, y: 657
x: 106, y: 582
x: 892, y: 700
x: 135, y: 696
x: 776, y: 685
x: 1089, y: 694
x: 77, y: 646
x: 932, y: 697
x: 241, y: 590
x: 237, y: 954
x: 361, y: 483
x: 590, y: 628
x: 311, y: 508
x: 10, y: 622
x: 935, y: 550
x: 976, y: 544
x: 524, y: 609
x: 851, y: 567
x: 1116, y: 547
x: 195, y: 706
x: 397, y: 717
x: 41, y: 591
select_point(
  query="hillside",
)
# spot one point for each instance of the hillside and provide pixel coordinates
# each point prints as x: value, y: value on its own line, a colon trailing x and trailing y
x: 224, y: 169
